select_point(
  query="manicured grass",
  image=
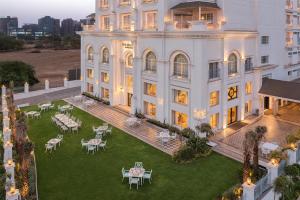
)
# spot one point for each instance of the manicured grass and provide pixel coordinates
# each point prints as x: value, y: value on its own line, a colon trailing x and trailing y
x: 70, y: 173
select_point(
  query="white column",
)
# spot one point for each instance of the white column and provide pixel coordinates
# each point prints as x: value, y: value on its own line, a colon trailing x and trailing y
x: 272, y: 171
x: 46, y: 84
x: 65, y: 82
x: 3, y: 89
x: 5, y: 122
x: 7, y: 151
x: 6, y: 135
x: 248, y: 191
x: 224, y: 93
x: 26, y: 87
x: 10, y: 169
x: 5, y: 111
x: 292, y: 156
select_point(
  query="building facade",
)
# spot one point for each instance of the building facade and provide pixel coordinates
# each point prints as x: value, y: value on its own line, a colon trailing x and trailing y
x: 7, y: 24
x: 49, y: 25
x: 187, y: 62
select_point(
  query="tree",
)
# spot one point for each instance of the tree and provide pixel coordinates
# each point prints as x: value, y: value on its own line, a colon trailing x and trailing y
x: 257, y: 136
x: 10, y: 44
x: 247, y: 148
x: 205, y: 128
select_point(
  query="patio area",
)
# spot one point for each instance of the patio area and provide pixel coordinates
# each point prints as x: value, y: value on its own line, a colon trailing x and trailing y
x: 70, y: 173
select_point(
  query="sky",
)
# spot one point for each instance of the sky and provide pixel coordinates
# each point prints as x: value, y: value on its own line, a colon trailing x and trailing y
x: 29, y: 11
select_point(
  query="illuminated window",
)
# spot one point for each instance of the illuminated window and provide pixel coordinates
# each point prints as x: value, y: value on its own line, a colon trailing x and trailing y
x: 208, y: 17
x: 180, y: 66
x: 214, y: 120
x: 151, y: 62
x: 125, y: 22
x: 150, y: 89
x: 180, y: 96
x: 104, y: 77
x: 90, y: 53
x: 232, y: 93
x: 214, y: 98
x: 103, y: 3
x: 248, y: 88
x: 105, y: 20
x: 150, y: 20
x: 90, y: 73
x: 248, y: 107
x: 180, y: 119
x: 125, y: 2
x: 129, y: 60
x: 105, y: 93
x: 89, y: 88
x: 105, y: 55
x: 150, y: 109
x: 232, y: 64
x: 129, y: 82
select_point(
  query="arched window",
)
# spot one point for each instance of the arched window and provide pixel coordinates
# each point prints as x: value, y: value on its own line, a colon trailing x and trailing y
x: 181, y: 66
x: 90, y: 53
x: 105, y: 56
x: 151, y: 62
x: 129, y: 60
x: 232, y: 64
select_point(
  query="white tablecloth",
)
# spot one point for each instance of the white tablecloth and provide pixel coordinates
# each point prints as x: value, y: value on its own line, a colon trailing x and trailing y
x: 136, y: 172
x: 268, y: 147
x: 66, y: 120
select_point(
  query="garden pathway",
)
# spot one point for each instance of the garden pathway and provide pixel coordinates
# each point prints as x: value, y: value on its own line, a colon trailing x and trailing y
x: 145, y: 132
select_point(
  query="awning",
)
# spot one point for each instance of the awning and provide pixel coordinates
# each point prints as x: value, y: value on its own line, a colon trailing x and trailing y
x: 195, y: 4
x: 287, y: 90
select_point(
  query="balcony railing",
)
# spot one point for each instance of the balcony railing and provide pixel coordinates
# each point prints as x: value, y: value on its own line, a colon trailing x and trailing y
x: 89, y: 27
x: 191, y: 26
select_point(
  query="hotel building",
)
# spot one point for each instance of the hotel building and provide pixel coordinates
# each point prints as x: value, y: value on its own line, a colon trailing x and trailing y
x: 187, y: 62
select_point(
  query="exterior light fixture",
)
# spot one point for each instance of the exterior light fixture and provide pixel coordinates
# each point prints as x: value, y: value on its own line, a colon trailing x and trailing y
x: 249, y: 181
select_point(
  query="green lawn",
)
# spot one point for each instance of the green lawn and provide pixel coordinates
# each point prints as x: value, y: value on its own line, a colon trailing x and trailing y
x: 70, y: 173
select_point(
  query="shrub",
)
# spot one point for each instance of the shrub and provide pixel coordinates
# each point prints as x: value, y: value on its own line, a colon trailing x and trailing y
x: 139, y: 115
x: 184, y: 155
x: 10, y: 44
x: 292, y: 170
x: 188, y: 132
x: 158, y: 123
x: 199, y: 145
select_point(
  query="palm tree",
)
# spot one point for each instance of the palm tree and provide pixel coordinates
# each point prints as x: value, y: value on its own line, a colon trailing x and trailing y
x: 247, y: 146
x: 257, y: 136
x: 205, y: 128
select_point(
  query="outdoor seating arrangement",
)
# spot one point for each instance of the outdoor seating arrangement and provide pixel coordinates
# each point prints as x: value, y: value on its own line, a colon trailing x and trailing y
x: 33, y: 114
x: 133, y: 122
x: 66, y: 122
x: 52, y: 143
x: 102, y: 130
x: 65, y: 108
x: 136, y: 175
x: 46, y: 106
x: 93, y: 145
x: 165, y: 137
x: 267, y: 148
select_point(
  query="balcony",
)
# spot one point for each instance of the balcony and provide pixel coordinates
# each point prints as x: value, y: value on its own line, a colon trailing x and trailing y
x: 191, y: 26
x: 89, y: 28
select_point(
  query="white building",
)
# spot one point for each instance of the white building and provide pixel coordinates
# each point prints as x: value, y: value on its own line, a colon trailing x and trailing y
x: 186, y: 62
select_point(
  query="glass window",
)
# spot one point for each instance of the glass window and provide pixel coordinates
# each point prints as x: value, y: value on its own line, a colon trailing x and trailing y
x: 90, y: 53
x: 105, y: 93
x: 232, y: 93
x: 214, y: 120
x: 248, y: 64
x: 125, y: 22
x: 180, y: 96
x: 180, y: 66
x: 214, y: 98
x: 232, y: 64
x: 214, y: 70
x: 129, y: 81
x: 151, y: 62
x: 248, y: 88
x: 150, y: 21
x: 248, y: 107
x: 105, y: 56
x: 103, y: 3
x: 150, y: 89
x: 90, y: 88
x: 104, y: 77
x: 180, y: 119
x: 129, y: 60
x: 264, y: 39
x: 208, y: 17
x: 90, y: 73
x: 105, y: 23
x: 150, y: 109
x: 264, y: 59
x: 125, y: 2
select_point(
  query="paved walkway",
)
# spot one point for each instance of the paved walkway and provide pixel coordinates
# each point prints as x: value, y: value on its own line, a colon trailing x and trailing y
x: 145, y: 132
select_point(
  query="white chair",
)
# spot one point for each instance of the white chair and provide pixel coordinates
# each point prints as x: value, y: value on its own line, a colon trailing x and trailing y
x: 95, y: 129
x: 98, y: 137
x: 102, y: 145
x: 147, y: 175
x: 138, y: 165
x: 125, y: 174
x: 91, y: 148
x: 109, y: 130
x: 52, y: 107
x: 37, y: 115
x: 134, y: 181
x: 49, y: 147
x: 173, y: 136
x: 75, y: 129
x: 84, y: 143
x: 64, y: 128
x: 60, y: 138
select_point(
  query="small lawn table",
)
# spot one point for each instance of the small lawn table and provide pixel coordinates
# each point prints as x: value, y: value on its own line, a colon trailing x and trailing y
x: 95, y: 142
x: 54, y: 142
x: 137, y: 173
x: 31, y: 114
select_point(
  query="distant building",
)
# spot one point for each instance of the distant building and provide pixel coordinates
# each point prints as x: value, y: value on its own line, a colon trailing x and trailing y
x: 69, y: 27
x: 28, y: 31
x: 49, y: 25
x: 7, y: 24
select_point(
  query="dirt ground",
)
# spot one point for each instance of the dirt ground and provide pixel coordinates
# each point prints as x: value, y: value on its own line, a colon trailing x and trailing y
x: 49, y: 64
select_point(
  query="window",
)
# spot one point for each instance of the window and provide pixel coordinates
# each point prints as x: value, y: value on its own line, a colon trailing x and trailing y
x: 104, y: 77
x: 248, y: 64
x: 180, y: 97
x: 232, y: 64
x: 105, y: 93
x: 125, y: 2
x: 214, y: 70
x: 150, y: 109
x: 248, y: 88
x: 105, y: 20
x: 208, y: 17
x: 129, y: 82
x: 232, y: 93
x: 103, y: 3
x: 248, y: 107
x: 265, y: 39
x: 180, y: 119
x: 150, y: 20
x: 180, y: 66
x: 89, y: 88
x: 149, y: 1
x: 214, y: 120
x: 214, y: 98
x: 125, y: 22
x: 129, y: 60
x: 264, y: 59
x: 151, y: 62
x: 90, y: 73
x: 150, y: 89
x: 105, y: 56
x: 290, y: 73
x: 90, y: 53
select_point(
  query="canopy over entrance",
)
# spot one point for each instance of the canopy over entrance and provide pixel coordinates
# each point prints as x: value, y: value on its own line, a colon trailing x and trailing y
x: 286, y: 90
x: 195, y: 4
